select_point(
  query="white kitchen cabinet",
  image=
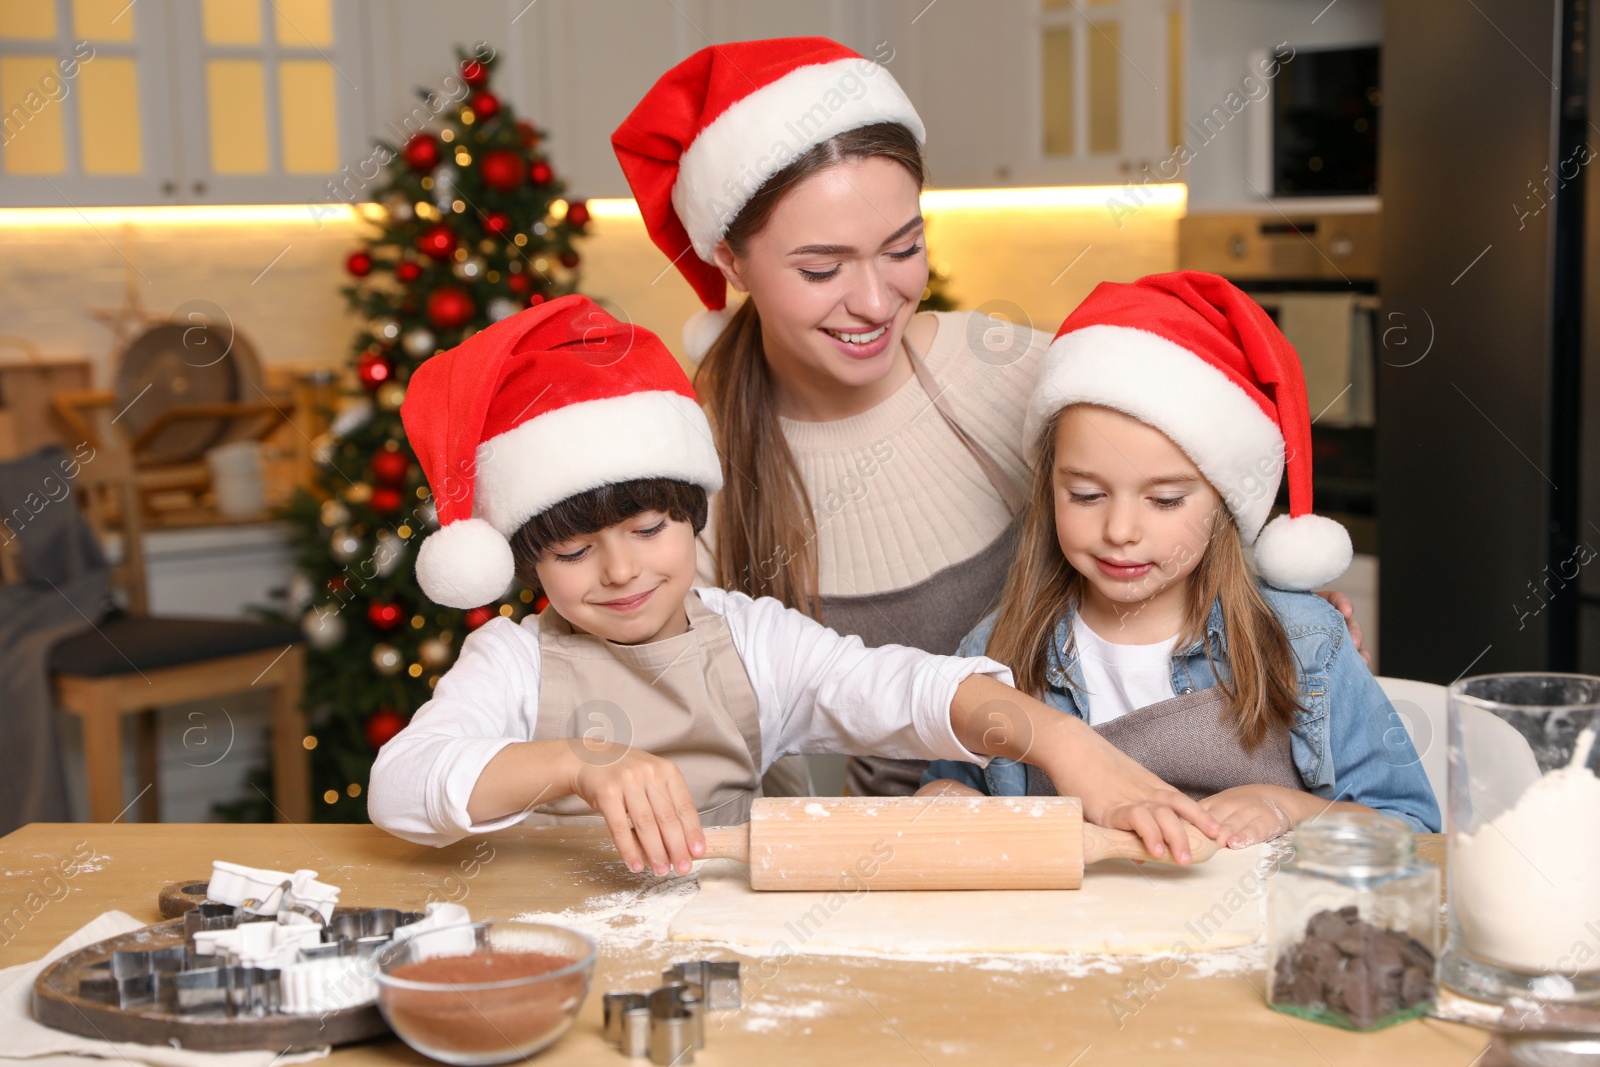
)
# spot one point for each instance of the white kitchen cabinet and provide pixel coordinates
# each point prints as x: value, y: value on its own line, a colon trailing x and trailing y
x: 269, y: 98
x: 1105, y: 88
x: 85, y: 104
x: 180, y: 101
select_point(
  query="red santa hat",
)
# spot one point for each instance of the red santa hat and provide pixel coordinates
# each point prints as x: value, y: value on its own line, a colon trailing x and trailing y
x: 549, y: 403
x: 1193, y: 356
x: 719, y: 125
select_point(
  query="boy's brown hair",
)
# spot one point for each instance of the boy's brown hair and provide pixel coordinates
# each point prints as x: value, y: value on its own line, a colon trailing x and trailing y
x: 592, y: 511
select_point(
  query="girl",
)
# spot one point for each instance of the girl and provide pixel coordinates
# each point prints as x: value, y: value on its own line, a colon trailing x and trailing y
x: 872, y: 463
x: 1166, y: 415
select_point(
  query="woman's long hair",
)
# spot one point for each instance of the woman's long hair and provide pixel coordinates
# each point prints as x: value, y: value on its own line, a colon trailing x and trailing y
x: 764, y: 530
x: 1261, y: 679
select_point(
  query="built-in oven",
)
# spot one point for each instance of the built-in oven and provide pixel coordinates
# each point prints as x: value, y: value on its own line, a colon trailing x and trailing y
x: 1316, y: 273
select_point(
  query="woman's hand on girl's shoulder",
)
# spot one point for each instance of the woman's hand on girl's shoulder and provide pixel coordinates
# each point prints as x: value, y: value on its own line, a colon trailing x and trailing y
x: 1343, y: 606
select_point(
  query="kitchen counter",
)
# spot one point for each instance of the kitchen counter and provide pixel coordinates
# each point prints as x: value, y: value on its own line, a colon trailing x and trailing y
x: 822, y: 1010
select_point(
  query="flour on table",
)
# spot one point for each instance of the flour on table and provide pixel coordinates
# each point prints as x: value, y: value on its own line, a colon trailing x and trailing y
x: 1122, y: 910
x: 627, y: 919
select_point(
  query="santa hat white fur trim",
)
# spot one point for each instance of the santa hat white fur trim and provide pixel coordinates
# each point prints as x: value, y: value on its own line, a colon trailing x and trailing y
x: 465, y: 564
x: 702, y: 331
x: 755, y: 138
x: 1236, y: 445
x: 1303, y: 552
x: 570, y: 450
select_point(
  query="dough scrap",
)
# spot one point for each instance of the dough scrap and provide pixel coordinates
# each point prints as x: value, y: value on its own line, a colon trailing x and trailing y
x: 1123, y: 909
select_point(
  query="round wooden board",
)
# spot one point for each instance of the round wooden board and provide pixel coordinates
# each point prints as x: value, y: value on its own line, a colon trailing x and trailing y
x: 56, y: 1003
x: 179, y: 897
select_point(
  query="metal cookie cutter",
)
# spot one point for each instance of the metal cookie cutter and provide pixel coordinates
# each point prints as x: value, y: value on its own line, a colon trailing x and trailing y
x: 718, y: 981
x: 676, y: 1025
x: 627, y: 1023
x: 368, y: 930
x: 131, y: 978
x: 254, y: 991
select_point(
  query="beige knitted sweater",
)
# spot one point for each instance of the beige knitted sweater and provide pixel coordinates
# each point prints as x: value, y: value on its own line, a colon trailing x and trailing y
x: 895, y: 495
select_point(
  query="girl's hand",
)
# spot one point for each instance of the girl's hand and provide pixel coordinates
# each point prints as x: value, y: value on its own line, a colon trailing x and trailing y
x: 1249, y: 814
x: 1343, y: 606
x: 947, y: 787
x: 646, y: 804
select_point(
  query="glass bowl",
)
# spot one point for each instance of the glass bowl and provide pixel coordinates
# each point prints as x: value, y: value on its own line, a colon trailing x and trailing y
x: 485, y: 992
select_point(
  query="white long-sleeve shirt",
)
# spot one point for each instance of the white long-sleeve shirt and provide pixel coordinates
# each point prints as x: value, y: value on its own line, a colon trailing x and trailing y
x: 816, y: 692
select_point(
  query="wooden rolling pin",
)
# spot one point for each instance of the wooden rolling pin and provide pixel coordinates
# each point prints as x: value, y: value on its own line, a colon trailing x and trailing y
x: 850, y: 843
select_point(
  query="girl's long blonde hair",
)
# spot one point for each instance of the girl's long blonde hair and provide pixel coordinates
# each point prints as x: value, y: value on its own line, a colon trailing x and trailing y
x: 765, y: 536
x: 1262, y: 679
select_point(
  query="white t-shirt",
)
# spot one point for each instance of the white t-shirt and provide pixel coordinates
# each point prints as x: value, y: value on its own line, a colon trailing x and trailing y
x: 1122, y: 678
x: 816, y: 691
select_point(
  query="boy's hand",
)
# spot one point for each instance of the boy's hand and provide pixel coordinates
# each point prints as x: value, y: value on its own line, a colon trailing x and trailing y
x: 989, y: 716
x: 646, y: 804
x: 1250, y: 814
x: 1118, y: 792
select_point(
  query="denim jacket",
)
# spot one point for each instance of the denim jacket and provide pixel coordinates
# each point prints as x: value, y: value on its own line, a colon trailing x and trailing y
x: 1348, y: 742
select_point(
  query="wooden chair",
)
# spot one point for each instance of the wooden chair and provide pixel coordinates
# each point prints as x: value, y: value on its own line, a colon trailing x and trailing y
x: 133, y: 662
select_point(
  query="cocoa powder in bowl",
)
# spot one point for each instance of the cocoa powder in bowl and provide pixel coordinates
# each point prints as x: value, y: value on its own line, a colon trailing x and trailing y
x: 491, y: 1008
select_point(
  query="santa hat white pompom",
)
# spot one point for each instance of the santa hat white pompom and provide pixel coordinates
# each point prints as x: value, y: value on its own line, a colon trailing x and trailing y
x: 1302, y: 552
x: 465, y: 564
x: 702, y: 331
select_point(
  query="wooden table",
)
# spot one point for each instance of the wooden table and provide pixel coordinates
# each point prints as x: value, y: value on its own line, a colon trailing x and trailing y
x: 832, y: 1011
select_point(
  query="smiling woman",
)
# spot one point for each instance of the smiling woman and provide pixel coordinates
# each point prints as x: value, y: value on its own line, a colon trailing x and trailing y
x: 872, y: 456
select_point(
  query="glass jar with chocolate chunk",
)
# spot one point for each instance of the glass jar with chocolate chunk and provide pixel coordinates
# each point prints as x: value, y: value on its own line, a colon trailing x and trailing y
x: 1353, y: 924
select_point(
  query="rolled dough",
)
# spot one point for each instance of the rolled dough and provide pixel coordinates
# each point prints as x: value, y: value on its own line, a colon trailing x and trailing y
x: 1122, y: 909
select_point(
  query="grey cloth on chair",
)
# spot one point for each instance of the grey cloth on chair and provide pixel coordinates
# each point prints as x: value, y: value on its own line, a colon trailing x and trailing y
x: 65, y: 589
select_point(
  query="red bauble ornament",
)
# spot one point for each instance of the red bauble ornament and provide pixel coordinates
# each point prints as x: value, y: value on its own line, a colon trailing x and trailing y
x: 449, y: 307
x: 437, y: 242
x: 386, y: 500
x: 374, y: 368
x: 498, y: 223
x: 535, y: 299
x: 421, y: 153
x: 359, y: 264
x: 484, y: 105
x: 382, y: 725
x: 540, y: 603
x: 385, y: 616
x: 518, y: 283
x: 408, y: 271
x: 474, y: 73
x: 569, y: 259
x: 390, y: 468
x: 476, y: 617
x: 540, y: 173
x: 501, y: 169
x: 527, y: 134
x: 578, y: 213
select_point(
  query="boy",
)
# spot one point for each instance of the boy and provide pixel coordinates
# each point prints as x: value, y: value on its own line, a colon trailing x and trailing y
x: 565, y: 446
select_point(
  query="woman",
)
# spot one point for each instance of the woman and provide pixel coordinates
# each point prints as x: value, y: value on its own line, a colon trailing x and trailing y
x: 872, y: 456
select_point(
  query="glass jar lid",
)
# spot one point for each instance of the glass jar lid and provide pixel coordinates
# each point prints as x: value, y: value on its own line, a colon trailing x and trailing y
x: 1356, y: 844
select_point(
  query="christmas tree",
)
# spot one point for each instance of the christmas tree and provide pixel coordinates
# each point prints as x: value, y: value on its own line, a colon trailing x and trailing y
x: 474, y: 229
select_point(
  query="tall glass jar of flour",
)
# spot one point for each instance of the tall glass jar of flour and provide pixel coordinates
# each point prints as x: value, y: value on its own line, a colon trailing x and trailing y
x: 1353, y: 923
x: 1524, y: 849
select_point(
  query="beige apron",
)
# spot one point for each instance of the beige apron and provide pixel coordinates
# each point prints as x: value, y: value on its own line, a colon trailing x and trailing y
x: 1190, y: 741
x: 937, y: 612
x: 687, y: 699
